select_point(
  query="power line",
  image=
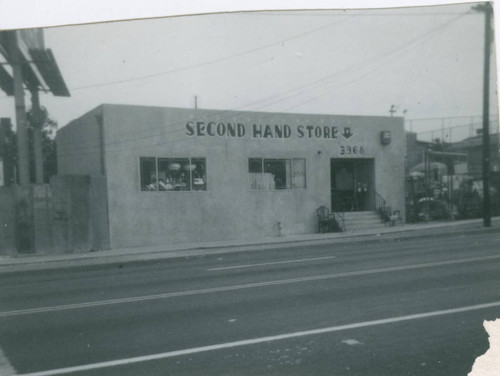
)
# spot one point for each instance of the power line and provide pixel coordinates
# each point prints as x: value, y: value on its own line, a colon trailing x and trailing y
x: 278, y: 98
x: 215, y: 61
x: 450, y: 117
x: 295, y: 92
x: 417, y: 67
x: 388, y: 56
x: 439, y: 129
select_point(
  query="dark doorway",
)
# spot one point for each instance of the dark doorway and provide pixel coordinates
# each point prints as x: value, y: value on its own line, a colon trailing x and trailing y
x: 352, y: 184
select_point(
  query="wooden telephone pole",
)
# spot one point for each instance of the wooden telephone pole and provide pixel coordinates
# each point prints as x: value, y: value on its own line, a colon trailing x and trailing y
x: 488, y: 13
x: 37, y: 124
x: 21, y: 124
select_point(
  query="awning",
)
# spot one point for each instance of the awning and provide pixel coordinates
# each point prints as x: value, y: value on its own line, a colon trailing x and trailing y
x: 441, y: 167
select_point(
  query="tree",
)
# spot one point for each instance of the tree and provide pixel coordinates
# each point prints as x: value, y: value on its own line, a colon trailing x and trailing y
x: 48, y: 126
x: 8, y: 147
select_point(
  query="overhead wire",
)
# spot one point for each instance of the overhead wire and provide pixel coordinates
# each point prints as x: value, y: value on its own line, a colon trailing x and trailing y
x: 320, y: 82
x: 386, y: 57
x: 237, y: 55
x: 207, y: 63
x: 281, y: 41
x: 215, y: 61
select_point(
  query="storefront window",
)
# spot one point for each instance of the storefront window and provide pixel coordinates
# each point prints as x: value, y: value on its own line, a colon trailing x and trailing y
x: 271, y: 174
x: 299, y: 173
x: 277, y: 173
x: 173, y: 174
x: 198, y: 174
x: 148, y: 174
x: 255, y: 173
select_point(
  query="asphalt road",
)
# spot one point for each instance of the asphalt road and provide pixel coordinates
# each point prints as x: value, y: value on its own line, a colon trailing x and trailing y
x: 410, y: 306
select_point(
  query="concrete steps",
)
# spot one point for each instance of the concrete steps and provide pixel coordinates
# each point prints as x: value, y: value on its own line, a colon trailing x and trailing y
x: 362, y: 220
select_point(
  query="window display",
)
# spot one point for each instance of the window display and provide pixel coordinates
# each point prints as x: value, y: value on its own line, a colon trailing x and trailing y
x: 255, y: 173
x: 173, y: 174
x: 272, y: 174
x: 299, y: 173
x: 148, y: 174
x: 279, y: 171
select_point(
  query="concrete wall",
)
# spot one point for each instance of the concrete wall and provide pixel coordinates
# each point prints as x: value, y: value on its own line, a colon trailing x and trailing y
x: 7, y: 221
x: 79, y: 207
x: 71, y: 208
x: 99, y: 225
x: 69, y: 215
x: 80, y: 146
x: 229, y: 209
x: 17, y: 220
x: 80, y: 155
x: 43, y: 218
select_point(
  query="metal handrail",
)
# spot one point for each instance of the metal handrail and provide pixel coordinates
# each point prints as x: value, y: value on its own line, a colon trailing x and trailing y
x: 379, y: 202
x: 341, y: 221
x: 381, y: 207
x: 340, y: 214
x: 387, y: 213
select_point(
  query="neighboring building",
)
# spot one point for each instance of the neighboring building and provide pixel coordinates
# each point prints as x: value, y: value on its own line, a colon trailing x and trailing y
x: 468, y: 153
x: 473, y: 147
x: 190, y: 175
x: 451, y: 174
x: 415, y: 150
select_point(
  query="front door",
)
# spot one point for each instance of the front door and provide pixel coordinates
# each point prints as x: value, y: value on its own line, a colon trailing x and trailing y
x: 352, y: 184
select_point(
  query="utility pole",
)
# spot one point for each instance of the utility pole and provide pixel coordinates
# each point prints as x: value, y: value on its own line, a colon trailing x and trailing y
x: 37, y: 125
x: 21, y: 126
x: 392, y: 110
x: 488, y: 13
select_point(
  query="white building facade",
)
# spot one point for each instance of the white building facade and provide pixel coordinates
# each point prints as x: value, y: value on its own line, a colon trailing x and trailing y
x: 190, y: 175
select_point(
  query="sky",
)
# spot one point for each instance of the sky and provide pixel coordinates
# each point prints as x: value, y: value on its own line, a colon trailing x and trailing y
x: 426, y: 61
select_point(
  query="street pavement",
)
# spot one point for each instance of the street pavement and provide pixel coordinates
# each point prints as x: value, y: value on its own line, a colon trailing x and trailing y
x: 14, y: 263
x: 395, y: 303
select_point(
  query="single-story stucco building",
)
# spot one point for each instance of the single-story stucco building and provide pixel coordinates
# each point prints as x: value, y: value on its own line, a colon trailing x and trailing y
x: 192, y: 175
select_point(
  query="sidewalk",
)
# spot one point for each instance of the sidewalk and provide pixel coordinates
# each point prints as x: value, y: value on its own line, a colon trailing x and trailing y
x: 10, y: 264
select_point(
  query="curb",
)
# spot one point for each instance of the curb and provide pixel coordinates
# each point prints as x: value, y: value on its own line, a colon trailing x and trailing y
x: 121, y: 256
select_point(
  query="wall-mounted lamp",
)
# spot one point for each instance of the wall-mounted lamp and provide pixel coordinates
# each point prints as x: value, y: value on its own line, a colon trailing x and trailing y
x: 385, y: 137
